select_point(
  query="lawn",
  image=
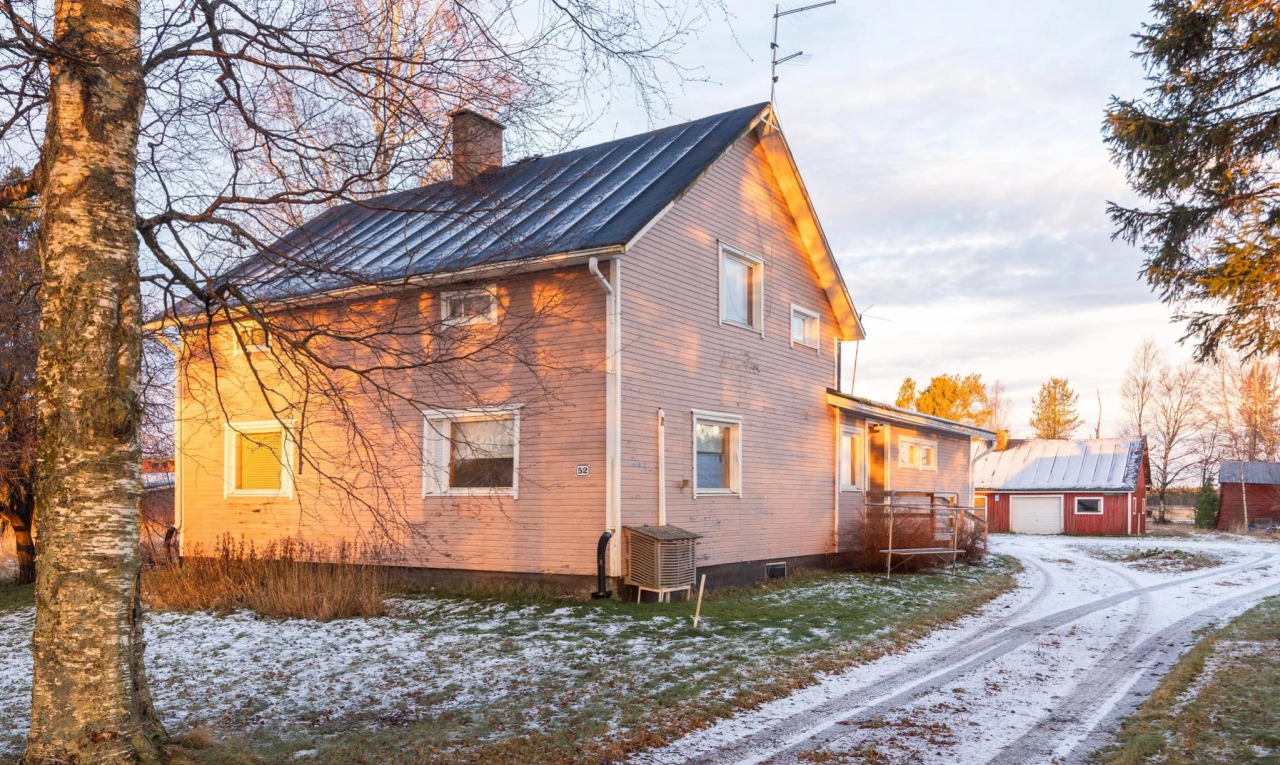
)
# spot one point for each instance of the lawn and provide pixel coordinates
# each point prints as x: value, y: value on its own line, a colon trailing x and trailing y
x: 1219, y: 704
x: 489, y: 677
x: 1162, y: 560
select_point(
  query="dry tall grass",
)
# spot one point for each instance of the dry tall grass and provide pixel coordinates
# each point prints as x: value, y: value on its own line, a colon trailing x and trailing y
x: 290, y: 578
x: 8, y: 555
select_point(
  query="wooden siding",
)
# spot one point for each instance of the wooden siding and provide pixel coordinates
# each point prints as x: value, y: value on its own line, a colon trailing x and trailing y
x: 952, y: 475
x: 1114, y: 520
x: 1263, y: 500
x: 678, y: 357
x: 551, y: 528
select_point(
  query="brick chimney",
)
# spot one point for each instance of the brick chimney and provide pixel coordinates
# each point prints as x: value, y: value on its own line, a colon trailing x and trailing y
x: 477, y: 144
x: 1002, y: 440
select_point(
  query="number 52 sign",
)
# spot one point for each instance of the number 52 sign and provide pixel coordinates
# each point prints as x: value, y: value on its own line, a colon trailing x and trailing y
x: 582, y: 471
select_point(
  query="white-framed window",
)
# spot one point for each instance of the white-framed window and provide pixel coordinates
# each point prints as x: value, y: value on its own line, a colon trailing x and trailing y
x: 251, y: 337
x: 853, y: 453
x: 741, y: 289
x: 804, y: 327
x: 460, y: 308
x: 917, y: 453
x: 1088, y: 505
x: 471, y: 452
x: 717, y: 454
x: 258, y: 459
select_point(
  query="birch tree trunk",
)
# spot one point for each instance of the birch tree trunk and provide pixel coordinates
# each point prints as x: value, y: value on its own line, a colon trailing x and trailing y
x: 89, y: 700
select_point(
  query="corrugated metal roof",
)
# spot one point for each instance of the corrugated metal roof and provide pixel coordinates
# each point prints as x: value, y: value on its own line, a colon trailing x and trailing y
x: 1105, y: 464
x: 1254, y: 472
x: 595, y: 197
x: 890, y: 411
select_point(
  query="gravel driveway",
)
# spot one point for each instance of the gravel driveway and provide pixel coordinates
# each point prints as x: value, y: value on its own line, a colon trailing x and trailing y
x: 1042, y: 675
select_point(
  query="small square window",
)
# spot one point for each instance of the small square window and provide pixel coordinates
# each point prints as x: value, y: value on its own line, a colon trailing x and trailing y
x: 1088, y: 505
x: 258, y: 459
x: 804, y: 327
x: 717, y: 441
x: 917, y: 453
x: 251, y: 337
x: 466, y: 307
x: 741, y: 289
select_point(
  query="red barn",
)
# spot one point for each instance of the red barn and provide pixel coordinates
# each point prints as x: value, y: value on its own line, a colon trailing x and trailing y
x: 1042, y: 486
x: 1251, y: 486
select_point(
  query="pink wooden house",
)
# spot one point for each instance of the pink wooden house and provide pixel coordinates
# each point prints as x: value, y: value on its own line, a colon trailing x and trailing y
x: 707, y: 314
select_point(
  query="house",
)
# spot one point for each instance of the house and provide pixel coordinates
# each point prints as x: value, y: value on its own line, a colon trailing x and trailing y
x: 1059, y: 486
x: 1251, y: 486
x: 694, y: 360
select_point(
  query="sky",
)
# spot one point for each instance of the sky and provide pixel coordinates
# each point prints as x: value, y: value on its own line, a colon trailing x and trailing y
x: 954, y: 153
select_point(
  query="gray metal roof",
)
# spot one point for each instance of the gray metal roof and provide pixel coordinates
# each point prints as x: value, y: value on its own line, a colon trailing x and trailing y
x: 891, y: 412
x: 1104, y: 464
x: 591, y: 198
x: 1254, y: 472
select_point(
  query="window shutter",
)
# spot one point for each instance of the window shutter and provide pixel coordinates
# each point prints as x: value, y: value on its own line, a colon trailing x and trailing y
x: 258, y: 463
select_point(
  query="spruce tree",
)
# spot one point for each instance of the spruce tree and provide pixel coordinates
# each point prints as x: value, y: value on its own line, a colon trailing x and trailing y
x: 1207, y: 507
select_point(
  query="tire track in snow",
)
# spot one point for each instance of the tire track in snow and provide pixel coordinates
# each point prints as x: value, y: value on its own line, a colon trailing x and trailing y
x: 783, y: 740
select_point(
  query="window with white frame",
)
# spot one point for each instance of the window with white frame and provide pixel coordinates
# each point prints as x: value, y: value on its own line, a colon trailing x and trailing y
x: 717, y: 448
x: 466, y: 307
x: 471, y: 451
x: 917, y: 453
x: 804, y: 327
x: 251, y: 337
x: 1088, y: 505
x: 741, y: 289
x: 852, y: 459
x: 258, y: 459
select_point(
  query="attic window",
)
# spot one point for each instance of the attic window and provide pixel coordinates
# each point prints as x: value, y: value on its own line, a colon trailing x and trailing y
x: 466, y: 307
x: 251, y: 337
x: 804, y: 327
x: 741, y: 289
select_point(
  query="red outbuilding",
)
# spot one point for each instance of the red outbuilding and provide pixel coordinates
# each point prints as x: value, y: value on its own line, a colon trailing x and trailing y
x: 1051, y: 486
x: 1248, y: 490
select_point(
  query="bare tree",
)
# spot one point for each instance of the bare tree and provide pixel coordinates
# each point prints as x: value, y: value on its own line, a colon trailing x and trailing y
x: 205, y: 130
x: 1244, y: 411
x: 1174, y: 419
x: 997, y: 407
x: 1139, y: 386
x: 19, y: 333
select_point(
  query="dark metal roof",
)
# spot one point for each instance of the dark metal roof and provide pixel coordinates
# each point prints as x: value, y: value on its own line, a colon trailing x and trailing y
x: 587, y: 199
x: 1254, y: 472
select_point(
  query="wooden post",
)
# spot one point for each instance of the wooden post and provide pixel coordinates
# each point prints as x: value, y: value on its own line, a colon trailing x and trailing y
x: 888, y: 557
x: 697, y: 611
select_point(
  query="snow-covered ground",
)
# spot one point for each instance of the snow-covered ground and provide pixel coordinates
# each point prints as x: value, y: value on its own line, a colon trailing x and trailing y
x: 545, y: 666
x: 1041, y: 675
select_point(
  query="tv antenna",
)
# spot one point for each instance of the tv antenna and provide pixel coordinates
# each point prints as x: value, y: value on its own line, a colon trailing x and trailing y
x: 799, y: 55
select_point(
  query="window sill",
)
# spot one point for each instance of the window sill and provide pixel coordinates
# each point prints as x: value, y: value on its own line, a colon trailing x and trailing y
x: 805, y: 347
x: 850, y: 489
x: 494, y: 492
x: 747, y: 327
x: 716, y: 493
x: 258, y: 494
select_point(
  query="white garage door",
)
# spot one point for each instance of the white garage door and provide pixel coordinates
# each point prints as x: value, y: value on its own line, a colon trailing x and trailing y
x: 1035, y: 515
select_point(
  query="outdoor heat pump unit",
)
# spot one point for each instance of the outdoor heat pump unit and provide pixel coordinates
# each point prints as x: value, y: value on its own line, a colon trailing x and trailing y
x: 660, y: 559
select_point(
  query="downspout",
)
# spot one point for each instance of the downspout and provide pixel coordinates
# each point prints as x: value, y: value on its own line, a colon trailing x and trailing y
x: 612, y: 287
x: 177, y: 437
x: 662, y: 468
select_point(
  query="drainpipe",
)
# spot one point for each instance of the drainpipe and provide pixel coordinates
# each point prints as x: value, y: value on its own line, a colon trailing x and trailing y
x: 662, y: 468
x: 612, y: 287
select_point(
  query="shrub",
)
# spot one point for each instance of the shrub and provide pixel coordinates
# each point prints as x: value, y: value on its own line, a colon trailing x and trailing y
x: 1207, y: 507
x: 289, y: 578
x: 918, y: 526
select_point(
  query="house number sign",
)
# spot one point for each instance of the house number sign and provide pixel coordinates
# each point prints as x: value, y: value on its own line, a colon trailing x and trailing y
x: 582, y: 471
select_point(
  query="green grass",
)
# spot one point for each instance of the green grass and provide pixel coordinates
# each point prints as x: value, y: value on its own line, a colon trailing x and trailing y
x: 1160, y: 559
x: 15, y: 596
x: 620, y: 677
x: 1219, y: 704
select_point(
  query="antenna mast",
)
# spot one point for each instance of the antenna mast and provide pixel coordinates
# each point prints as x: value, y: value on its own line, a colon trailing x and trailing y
x: 773, y: 47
